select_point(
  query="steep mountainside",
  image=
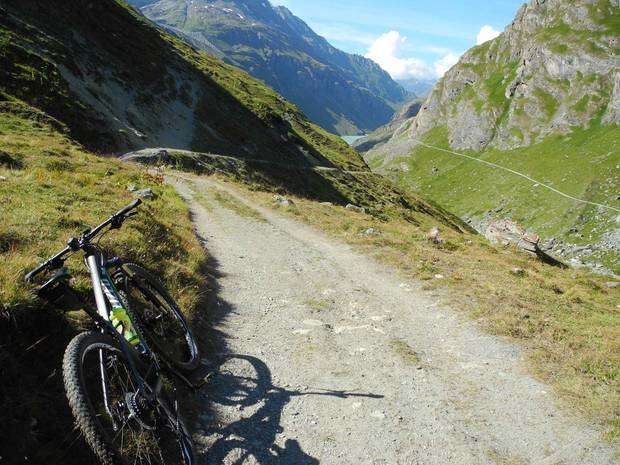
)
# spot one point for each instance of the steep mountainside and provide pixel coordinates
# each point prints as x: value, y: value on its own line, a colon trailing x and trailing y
x: 121, y: 84
x: 555, y: 67
x: 399, y: 123
x: 343, y: 93
x: 543, y: 98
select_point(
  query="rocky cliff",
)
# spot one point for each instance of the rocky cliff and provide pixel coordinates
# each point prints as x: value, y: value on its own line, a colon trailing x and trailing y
x: 555, y: 67
x: 341, y: 92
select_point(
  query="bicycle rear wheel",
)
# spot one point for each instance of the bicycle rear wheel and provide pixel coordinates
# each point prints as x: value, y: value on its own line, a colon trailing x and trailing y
x: 118, y: 424
x: 159, y: 318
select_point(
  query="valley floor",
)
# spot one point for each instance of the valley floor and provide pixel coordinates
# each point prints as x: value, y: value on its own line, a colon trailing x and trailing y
x: 328, y: 357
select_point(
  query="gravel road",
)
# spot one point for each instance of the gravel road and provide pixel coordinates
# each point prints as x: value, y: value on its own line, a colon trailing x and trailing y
x: 327, y: 357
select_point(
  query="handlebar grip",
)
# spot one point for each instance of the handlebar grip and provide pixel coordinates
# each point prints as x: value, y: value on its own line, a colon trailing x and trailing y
x: 35, y: 272
x: 129, y: 207
x: 48, y: 264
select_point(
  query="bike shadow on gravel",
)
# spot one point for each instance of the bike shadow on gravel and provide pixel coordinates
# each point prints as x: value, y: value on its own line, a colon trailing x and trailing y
x: 242, y: 386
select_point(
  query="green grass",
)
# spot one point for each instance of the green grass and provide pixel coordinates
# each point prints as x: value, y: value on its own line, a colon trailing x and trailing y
x: 496, y: 84
x: 605, y: 13
x: 582, y: 105
x: 62, y: 189
x: 405, y: 352
x: 548, y: 102
x: 559, y: 48
x: 231, y: 203
x: 582, y: 164
x: 317, y: 305
x: 53, y: 190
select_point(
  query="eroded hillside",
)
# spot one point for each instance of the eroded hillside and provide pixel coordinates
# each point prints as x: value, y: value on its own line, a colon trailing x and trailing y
x: 120, y: 84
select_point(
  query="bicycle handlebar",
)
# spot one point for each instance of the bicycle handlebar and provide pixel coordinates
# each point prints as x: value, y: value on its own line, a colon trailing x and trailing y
x: 115, y: 220
x: 48, y: 263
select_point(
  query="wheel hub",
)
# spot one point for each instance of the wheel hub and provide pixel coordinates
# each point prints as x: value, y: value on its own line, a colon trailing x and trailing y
x: 140, y: 410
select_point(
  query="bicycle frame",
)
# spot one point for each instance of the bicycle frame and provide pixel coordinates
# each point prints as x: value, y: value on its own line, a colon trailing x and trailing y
x: 107, y: 295
x: 144, y: 367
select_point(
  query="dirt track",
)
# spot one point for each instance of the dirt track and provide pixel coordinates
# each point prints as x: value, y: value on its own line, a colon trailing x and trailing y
x: 328, y: 357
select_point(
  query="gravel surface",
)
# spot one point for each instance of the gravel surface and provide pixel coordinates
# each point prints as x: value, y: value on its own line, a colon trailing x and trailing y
x: 328, y: 357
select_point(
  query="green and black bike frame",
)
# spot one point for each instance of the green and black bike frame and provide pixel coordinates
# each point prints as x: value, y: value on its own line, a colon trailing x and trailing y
x: 143, y: 363
x: 106, y: 298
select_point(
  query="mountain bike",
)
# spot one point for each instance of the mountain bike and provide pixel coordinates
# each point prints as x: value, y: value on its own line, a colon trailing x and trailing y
x: 113, y: 374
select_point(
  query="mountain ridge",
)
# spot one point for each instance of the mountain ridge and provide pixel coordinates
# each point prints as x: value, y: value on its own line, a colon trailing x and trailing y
x: 139, y: 87
x: 344, y: 93
x: 552, y: 68
x: 543, y: 98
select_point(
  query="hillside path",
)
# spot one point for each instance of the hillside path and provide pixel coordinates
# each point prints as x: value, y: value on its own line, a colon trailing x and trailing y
x: 330, y: 358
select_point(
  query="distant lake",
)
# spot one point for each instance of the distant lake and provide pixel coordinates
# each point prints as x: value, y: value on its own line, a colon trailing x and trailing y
x: 350, y: 139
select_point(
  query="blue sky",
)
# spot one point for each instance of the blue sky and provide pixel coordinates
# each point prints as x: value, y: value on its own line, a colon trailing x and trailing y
x: 409, y: 38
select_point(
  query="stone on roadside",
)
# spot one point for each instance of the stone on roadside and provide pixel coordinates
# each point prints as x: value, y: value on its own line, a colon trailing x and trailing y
x: 144, y: 193
x: 132, y: 188
x: 433, y: 236
x: 350, y: 206
x: 507, y: 231
x: 283, y: 201
x: 370, y: 232
x: 612, y: 284
x: 2, y: 178
x: 518, y: 271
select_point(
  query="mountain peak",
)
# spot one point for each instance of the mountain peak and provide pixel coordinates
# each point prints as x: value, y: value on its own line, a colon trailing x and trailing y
x: 341, y: 92
x: 553, y: 68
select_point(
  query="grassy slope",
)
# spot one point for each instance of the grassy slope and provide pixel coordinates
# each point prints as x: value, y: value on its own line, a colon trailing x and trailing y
x: 112, y: 43
x: 54, y: 189
x: 375, y: 193
x: 568, y: 320
x: 583, y: 164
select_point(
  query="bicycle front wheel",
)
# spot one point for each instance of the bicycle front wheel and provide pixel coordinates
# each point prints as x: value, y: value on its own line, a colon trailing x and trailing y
x: 119, y: 425
x: 158, y: 316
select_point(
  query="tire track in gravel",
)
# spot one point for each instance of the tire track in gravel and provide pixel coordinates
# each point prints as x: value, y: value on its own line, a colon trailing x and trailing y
x: 333, y: 359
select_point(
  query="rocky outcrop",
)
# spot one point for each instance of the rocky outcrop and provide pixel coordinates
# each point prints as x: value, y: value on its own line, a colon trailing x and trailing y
x: 383, y: 134
x: 555, y: 67
x: 341, y: 92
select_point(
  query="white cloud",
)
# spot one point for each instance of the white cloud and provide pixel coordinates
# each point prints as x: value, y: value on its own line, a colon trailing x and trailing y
x: 486, y: 33
x: 444, y: 64
x: 385, y: 51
